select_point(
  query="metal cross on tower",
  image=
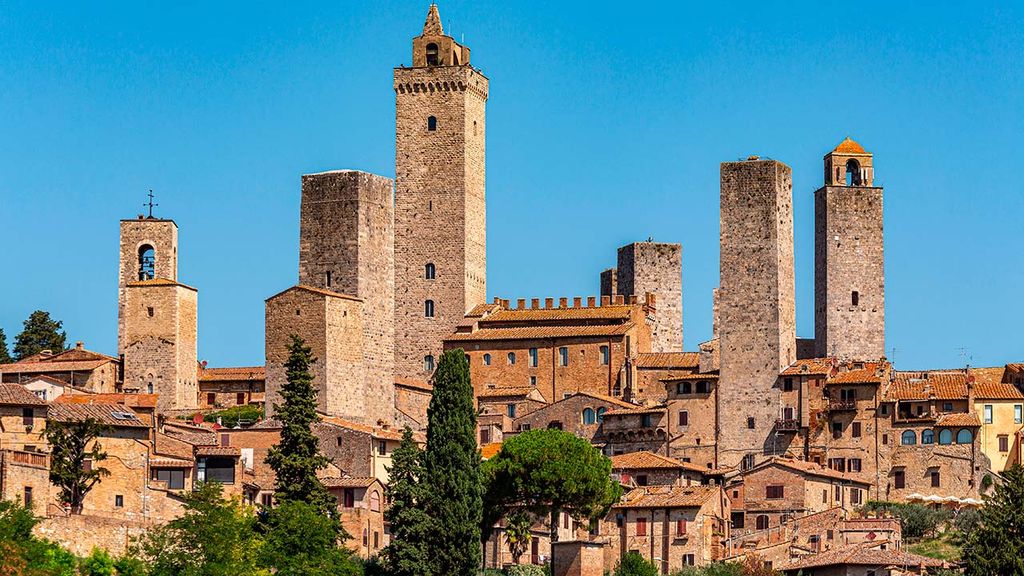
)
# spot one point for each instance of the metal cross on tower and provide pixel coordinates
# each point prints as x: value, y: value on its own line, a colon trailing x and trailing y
x: 150, y: 204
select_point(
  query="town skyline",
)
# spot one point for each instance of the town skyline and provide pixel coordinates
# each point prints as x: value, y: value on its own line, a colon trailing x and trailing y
x: 238, y: 252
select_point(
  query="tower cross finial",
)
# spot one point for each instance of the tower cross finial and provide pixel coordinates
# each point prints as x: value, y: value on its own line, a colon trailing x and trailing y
x: 150, y: 204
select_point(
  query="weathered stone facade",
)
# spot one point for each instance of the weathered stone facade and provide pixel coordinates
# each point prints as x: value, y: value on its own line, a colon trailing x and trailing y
x: 849, y: 276
x: 149, y: 249
x: 655, y: 268
x: 346, y: 245
x: 332, y: 325
x: 160, y: 348
x: 757, y: 304
x: 440, y: 221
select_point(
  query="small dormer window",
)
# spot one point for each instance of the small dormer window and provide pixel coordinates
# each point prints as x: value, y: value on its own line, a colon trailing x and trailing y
x: 432, y: 54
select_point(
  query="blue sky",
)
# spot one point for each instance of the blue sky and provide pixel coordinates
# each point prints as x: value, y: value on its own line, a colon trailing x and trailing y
x: 606, y: 125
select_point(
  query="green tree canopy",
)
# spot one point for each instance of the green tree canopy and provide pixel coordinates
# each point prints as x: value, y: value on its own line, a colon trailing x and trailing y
x: 297, y: 458
x: 451, y: 470
x: 633, y: 564
x: 301, y: 541
x: 549, y: 472
x: 69, y: 449
x: 5, y: 355
x: 406, y: 554
x: 996, y: 545
x: 213, y: 537
x: 39, y: 332
x: 23, y: 554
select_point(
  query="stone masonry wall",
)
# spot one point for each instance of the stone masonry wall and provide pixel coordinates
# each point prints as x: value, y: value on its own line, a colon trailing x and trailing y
x: 440, y: 214
x: 346, y: 245
x: 162, y: 235
x: 848, y: 258
x: 757, y: 307
x: 657, y: 268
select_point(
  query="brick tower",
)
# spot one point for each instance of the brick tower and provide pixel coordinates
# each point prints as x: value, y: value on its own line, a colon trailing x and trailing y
x: 440, y: 212
x: 157, y: 315
x: 849, y: 276
x: 756, y: 302
x: 656, y: 268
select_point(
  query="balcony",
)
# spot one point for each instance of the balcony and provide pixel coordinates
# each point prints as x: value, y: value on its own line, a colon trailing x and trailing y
x: 928, y: 416
x: 842, y: 405
x: 787, y: 424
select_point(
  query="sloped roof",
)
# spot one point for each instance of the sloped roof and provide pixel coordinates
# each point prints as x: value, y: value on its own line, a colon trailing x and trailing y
x: 47, y: 366
x: 131, y: 400
x: 373, y: 431
x: 195, y: 435
x: 816, y: 366
x: 645, y: 459
x: 849, y: 146
x: 18, y: 395
x: 665, y: 360
x: 505, y: 391
x: 218, y: 451
x: 942, y: 385
x: 667, y: 497
x: 636, y: 410
x: 115, y: 415
x: 362, y: 482
x: 866, y: 373
x: 959, y: 419
x: 159, y: 282
x: 861, y: 555
x: 810, y: 468
x: 990, y: 384
x: 315, y: 290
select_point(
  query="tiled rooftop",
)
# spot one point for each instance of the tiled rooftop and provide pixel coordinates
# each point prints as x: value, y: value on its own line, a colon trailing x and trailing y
x: 667, y: 497
x: 18, y: 395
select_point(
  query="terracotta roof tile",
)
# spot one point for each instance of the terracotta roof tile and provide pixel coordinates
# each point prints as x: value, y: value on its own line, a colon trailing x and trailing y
x: 867, y: 554
x: 18, y: 395
x: 813, y: 366
x: 116, y: 415
x: 232, y: 374
x: 363, y: 482
x: 635, y: 410
x: 649, y: 460
x: 959, y: 419
x: 668, y: 360
x: 192, y: 434
x: 812, y: 469
x: 130, y: 400
x: 991, y: 384
x: 46, y: 366
x: 535, y: 332
x: 76, y: 355
x: 316, y: 290
x: 373, y: 431
x: 218, y: 451
x: 166, y: 462
x: 503, y: 391
x: 159, y: 282
x: 861, y: 373
x: 942, y: 385
x: 848, y: 146
x: 667, y: 497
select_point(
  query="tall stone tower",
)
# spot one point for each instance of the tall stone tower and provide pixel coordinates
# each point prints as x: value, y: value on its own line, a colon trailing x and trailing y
x: 656, y: 268
x: 158, y: 316
x: 346, y: 246
x: 440, y: 211
x: 756, y: 303
x: 849, y: 275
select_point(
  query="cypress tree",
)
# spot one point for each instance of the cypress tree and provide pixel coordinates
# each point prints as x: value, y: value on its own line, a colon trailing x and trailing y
x: 296, y: 459
x: 451, y: 470
x: 996, y: 545
x: 39, y: 332
x: 5, y: 356
x: 406, y: 555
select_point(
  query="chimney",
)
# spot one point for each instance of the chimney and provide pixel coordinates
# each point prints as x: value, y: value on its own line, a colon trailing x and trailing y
x: 520, y: 303
x: 563, y: 302
x: 78, y: 345
x: 577, y: 302
x: 549, y: 302
x: 534, y: 303
x: 591, y: 301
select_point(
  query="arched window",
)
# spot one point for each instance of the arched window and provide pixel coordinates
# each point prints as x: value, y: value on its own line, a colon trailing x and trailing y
x: 600, y: 414
x: 945, y: 436
x: 149, y: 388
x: 908, y: 438
x: 428, y: 308
x: 762, y: 522
x: 432, y: 54
x: 432, y: 123
x: 428, y: 363
x: 147, y: 262
x: 374, y: 501
x: 852, y: 172
x: 487, y: 359
x: 964, y: 436
x: 928, y: 437
x: 429, y: 272
x: 511, y: 358
x: 589, y: 417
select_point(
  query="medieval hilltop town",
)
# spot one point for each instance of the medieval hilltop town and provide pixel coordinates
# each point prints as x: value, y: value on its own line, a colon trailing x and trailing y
x: 758, y: 442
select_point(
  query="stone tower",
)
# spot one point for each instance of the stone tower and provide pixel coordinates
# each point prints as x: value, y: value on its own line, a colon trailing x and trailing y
x: 849, y: 276
x: 346, y: 246
x: 656, y: 268
x: 756, y: 303
x: 440, y: 212
x: 158, y: 316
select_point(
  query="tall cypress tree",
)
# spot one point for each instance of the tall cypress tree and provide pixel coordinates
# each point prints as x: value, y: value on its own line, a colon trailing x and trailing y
x: 5, y: 356
x: 996, y: 546
x: 406, y: 555
x: 39, y: 332
x: 296, y: 459
x: 451, y: 470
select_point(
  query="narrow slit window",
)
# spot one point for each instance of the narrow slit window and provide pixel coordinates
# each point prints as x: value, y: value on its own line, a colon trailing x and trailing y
x: 432, y: 123
x: 428, y: 308
x: 430, y: 271
x: 855, y: 298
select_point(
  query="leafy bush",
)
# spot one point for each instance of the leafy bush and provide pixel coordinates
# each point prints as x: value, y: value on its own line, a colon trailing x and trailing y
x: 97, y: 563
x: 526, y: 570
x: 633, y: 564
x: 917, y: 520
x: 716, y: 569
x: 230, y: 417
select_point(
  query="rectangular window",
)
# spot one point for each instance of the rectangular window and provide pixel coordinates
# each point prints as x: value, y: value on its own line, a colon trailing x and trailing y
x: 683, y: 388
x: 211, y: 398
x: 376, y: 539
x: 936, y: 483
x: 641, y: 480
x: 774, y: 492
x: 27, y: 494
x: 854, y: 464
x: 681, y: 526
x: 824, y: 496
x: 947, y: 406
x: 645, y: 420
x: 839, y: 494
x: 855, y: 496
x: 350, y: 498
x: 175, y: 479
x: 266, y: 500
x: 511, y: 410
x: 485, y: 435
x: 1018, y: 414
x: 838, y: 464
x: 533, y: 380
x: 988, y: 413
x: 884, y: 409
x: 605, y: 356
x: 899, y: 479
x: 855, y: 430
x: 27, y: 416
x: 684, y: 418
x: 533, y: 357
x: 1004, y: 443
x: 641, y: 526
x: 837, y: 430
x: 787, y: 385
x: 885, y: 438
x: 118, y: 501
x: 750, y: 422
x: 382, y: 447
x: 563, y: 356
x: 219, y: 469
x: 240, y: 399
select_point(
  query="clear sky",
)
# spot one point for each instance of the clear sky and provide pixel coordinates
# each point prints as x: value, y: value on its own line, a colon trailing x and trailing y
x: 606, y: 125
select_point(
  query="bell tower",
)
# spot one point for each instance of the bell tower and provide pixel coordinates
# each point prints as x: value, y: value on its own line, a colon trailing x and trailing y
x: 849, y: 275
x: 440, y: 210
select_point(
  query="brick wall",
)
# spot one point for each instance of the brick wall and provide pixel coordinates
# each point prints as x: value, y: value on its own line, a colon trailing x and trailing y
x: 656, y: 268
x: 757, y: 341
